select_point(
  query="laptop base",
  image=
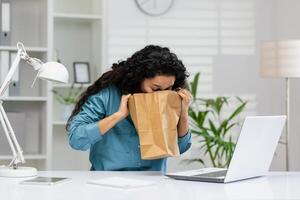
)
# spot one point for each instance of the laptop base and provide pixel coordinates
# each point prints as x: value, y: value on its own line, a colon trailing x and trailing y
x: 195, y: 178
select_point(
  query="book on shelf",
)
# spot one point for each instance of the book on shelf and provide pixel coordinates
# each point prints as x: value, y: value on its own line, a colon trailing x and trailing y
x: 5, y: 13
x: 4, y: 68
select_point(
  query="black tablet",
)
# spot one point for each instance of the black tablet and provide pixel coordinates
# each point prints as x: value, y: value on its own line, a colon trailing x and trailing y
x: 45, y: 180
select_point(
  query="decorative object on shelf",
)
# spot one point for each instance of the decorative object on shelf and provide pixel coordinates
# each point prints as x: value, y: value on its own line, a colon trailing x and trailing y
x: 51, y: 71
x: 214, y: 128
x: 82, y: 72
x: 280, y: 59
x: 5, y: 21
x: 68, y: 99
x: 154, y: 7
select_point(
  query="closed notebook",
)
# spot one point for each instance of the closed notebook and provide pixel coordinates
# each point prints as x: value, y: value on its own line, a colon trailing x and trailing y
x: 155, y: 116
x: 121, y: 182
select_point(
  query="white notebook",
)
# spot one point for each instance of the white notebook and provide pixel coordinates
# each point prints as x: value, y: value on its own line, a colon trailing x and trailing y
x: 121, y: 182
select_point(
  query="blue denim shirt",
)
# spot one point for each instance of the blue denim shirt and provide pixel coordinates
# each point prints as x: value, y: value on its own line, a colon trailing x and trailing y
x: 118, y: 149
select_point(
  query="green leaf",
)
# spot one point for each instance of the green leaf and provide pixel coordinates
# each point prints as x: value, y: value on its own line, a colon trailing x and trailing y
x: 237, y: 111
x: 192, y: 114
x: 213, y: 128
x: 194, y: 85
x: 69, y: 97
x: 229, y: 127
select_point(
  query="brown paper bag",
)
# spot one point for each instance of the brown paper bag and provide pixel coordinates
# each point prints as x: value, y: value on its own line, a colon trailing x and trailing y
x: 155, y: 116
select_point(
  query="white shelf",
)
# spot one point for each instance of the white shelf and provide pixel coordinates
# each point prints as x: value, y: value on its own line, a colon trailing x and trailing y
x: 84, y: 17
x: 23, y: 98
x: 59, y: 123
x: 69, y: 85
x: 29, y: 49
x: 73, y: 24
x: 76, y: 25
x: 27, y: 157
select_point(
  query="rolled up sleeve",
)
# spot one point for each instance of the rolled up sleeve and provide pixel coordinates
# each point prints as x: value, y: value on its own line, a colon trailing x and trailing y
x: 84, y: 130
x: 185, y: 142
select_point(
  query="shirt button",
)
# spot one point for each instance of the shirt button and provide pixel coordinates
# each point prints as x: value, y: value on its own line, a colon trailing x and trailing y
x: 138, y: 146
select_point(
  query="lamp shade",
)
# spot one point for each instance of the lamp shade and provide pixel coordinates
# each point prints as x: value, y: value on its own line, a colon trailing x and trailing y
x: 280, y: 59
x: 54, y: 71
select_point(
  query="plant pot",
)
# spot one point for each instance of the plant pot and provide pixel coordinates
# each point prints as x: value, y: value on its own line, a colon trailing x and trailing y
x: 66, y: 111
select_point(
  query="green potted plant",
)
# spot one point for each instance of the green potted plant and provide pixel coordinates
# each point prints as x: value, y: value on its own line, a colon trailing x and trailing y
x: 67, y: 99
x: 214, y: 130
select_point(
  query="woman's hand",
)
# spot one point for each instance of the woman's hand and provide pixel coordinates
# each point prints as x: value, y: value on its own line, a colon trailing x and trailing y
x: 108, y: 122
x: 123, y: 109
x: 186, y: 99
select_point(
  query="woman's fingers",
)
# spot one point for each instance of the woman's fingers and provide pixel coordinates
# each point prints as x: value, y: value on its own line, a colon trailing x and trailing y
x: 124, y: 100
x: 182, y: 95
x: 185, y: 95
x: 125, y: 97
x: 123, y: 107
x: 186, y: 100
x: 186, y: 92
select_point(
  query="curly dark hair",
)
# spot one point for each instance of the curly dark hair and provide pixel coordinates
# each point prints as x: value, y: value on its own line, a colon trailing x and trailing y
x: 128, y: 75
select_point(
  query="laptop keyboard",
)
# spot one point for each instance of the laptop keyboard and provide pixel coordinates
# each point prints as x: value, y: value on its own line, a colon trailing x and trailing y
x: 213, y: 174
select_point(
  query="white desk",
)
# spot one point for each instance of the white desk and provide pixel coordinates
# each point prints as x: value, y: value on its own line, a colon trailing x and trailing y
x: 277, y: 185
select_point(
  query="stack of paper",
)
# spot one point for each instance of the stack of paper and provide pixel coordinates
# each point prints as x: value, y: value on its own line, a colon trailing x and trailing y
x: 121, y: 182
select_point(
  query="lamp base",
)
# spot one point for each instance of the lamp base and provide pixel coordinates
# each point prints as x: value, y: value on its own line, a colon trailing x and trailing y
x: 17, y: 173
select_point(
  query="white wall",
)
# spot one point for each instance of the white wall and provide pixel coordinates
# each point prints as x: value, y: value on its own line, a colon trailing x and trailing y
x: 220, y: 38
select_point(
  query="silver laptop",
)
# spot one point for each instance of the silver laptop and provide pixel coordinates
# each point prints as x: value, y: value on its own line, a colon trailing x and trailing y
x: 252, y: 155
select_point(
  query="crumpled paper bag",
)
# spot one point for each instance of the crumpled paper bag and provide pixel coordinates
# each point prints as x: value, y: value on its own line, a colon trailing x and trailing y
x: 155, y: 116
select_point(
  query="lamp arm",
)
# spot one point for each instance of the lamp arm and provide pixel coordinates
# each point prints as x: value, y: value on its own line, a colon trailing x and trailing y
x: 3, y: 123
x: 12, y: 140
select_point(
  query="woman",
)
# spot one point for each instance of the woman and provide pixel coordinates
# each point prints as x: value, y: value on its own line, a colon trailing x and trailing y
x: 101, y: 122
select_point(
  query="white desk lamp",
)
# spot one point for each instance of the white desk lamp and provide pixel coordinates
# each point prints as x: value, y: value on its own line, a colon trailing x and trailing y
x: 281, y: 59
x: 52, y: 71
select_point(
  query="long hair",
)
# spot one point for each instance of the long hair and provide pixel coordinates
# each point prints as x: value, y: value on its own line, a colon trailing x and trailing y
x: 128, y: 75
